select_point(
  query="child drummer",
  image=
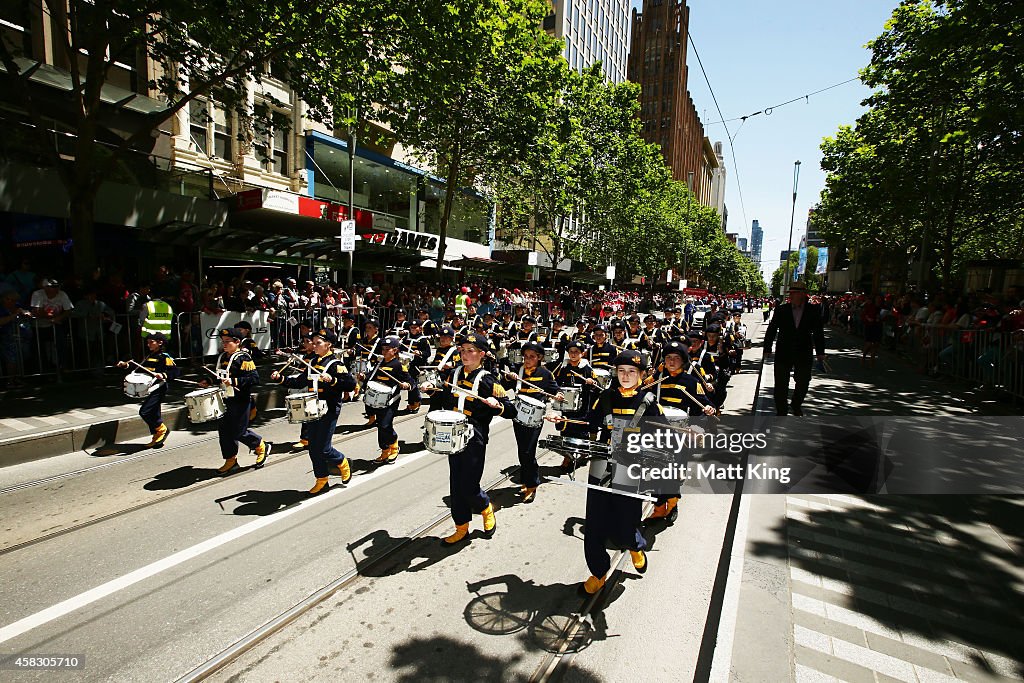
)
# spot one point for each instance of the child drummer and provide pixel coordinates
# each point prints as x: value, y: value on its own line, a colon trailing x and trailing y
x: 389, y: 372
x: 328, y: 377
x: 534, y: 380
x: 161, y: 366
x: 236, y: 374
x: 467, y: 467
x: 575, y: 371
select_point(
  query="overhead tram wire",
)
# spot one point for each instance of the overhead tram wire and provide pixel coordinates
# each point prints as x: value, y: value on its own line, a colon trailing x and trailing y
x: 768, y: 111
x: 732, y: 148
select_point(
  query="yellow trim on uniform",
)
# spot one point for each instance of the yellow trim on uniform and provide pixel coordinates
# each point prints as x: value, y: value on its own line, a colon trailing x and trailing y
x: 623, y: 411
x: 248, y: 366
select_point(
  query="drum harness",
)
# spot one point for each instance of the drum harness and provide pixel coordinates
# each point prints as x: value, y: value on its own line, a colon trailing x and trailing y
x: 476, y: 386
x: 225, y: 374
x: 394, y: 390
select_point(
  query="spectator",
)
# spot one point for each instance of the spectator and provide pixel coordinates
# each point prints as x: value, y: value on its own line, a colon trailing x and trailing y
x: 52, y: 307
x: 23, y: 281
x: 15, y: 337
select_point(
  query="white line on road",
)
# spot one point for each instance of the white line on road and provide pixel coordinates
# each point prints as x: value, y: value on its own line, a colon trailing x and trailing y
x: 721, y: 665
x: 109, y: 411
x: 110, y: 587
x: 52, y: 420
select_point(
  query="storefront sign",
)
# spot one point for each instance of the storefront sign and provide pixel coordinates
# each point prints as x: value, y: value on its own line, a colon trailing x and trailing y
x: 694, y: 291
x: 212, y: 324
x: 403, y: 239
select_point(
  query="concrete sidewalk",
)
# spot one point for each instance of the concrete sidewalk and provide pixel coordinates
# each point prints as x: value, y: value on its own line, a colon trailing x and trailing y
x: 874, y: 588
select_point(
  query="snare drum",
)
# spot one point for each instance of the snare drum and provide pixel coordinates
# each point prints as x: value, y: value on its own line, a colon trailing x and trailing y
x: 429, y: 374
x: 502, y: 351
x: 573, y: 402
x: 676, y: 416
x: 205, y: 405
x: 446, y: 432
x: 360, y: 366
x: 550, y: 355
x: 377, y: 395
x: 406, y: 358
x: 575, y: 447
x: 515, y: 356
x: 529, y: 411
x: 602, y: 377
x: 305, y: 407
x: 138, y: 384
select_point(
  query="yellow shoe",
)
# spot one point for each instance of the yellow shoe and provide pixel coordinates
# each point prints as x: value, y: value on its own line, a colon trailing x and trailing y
x: 343, y: 470
x: 413, y: 407
x: 490, y: 524
x: 529, y: 493
x: 262, y: 451
x: 461, y: 530
x: 320, y: 486
x: 591, y: 586
x: 639, y: 558
x: 300, y: 444
x: 159, y: 436
x: 392, y: 453
x: 382, y: 459
x: 372, y: 420
x: 252, y: 413
x: 230, y: 466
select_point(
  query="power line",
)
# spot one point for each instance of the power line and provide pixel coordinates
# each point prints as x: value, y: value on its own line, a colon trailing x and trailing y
x: 767, y: 111
x: 732, y: 149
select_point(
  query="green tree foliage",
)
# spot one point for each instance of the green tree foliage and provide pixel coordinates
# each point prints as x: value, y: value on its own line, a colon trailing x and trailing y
x: 933, y: 169
x: 474, y: 82
x: 194, y: 49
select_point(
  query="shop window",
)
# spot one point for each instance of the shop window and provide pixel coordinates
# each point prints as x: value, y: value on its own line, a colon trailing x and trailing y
x: 211, y: 128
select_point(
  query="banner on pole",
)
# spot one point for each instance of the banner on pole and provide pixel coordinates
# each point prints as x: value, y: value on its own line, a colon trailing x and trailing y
x: 822, y: 266
x: 212, y: 323
x: 348, y: 235
x: 801, y: 267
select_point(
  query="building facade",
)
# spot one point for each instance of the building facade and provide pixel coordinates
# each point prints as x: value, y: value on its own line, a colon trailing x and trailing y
x: 657, y: 63
x: 756, y: 239
x: 593, y: 31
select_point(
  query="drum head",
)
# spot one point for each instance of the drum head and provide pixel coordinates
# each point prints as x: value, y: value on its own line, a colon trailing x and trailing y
x: 529, y: 400
x: 445, y: 417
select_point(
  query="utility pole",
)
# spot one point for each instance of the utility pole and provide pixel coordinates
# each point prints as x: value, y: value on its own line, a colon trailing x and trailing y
x: 689, y: 220
x: 792, y: 215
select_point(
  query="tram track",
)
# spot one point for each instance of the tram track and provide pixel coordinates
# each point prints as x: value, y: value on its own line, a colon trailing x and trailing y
x: 346, y: 580
x: 161, y: 499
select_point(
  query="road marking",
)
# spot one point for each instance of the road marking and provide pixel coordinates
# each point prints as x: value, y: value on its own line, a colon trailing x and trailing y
x: 11, y: 423
x: 81, y: 415
x: 52, y: 420
x: 721, y: 665
x: 70, y: 605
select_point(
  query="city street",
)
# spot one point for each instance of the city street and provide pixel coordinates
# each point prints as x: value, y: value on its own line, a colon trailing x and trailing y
x: 153, y: 568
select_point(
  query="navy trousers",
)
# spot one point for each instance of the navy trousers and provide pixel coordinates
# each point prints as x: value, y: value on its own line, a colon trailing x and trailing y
x: 610, y: 517
x: 320, y: 432
x: 465, y: 470
x: 233, y: 428
x: 526, y: 440
x: 150, y: 409
x: 386, y: 434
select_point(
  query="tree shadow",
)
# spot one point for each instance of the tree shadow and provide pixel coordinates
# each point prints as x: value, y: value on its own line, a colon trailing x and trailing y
x: 923, y: 567
x: 263, y: 503
x: 442, y: 658
x: 180, y: 477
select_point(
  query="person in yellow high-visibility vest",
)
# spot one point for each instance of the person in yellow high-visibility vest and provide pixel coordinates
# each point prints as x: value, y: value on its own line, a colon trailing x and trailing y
x: 156, y: 317
x: 462, y: 302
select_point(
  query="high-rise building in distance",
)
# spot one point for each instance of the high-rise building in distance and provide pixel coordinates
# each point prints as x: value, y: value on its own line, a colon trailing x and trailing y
x: 593, y: 30
x: 756, y: 238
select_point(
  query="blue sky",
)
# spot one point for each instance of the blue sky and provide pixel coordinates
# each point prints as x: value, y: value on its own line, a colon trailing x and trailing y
x: 757, y: 54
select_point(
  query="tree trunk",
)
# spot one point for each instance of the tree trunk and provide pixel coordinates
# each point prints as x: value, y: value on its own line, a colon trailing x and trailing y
x: 451, y: 187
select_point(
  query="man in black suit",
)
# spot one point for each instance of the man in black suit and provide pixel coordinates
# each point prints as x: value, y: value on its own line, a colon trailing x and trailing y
x: 799, y: 326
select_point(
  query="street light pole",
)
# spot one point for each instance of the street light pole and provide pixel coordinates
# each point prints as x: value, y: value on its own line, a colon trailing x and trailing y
x: 792, y: 215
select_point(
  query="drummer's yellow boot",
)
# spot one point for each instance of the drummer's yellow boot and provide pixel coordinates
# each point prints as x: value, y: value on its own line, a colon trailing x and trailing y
x: 262, y: 451
x: 159, y: 436
x: 490, y: 524
x: 393, y: 452
x: 528, y: 493
x: 343, y: 470
x: 230, y: 465
x: 461, y: 531
x: 382, y: 459
x: 639, y: 558
x: 320, y: 486
x: 591, y: 586
x: 413, y: 407
x: 300, y: 444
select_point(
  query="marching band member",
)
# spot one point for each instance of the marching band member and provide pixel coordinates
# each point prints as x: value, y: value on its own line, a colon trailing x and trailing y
x: 701, y: 362
x: 328, y: 378
x: 531, y: 379
x: 255, y: 352
x: 675, y: 384
x: 388, y: 371
x: 601, y: 353
x: 419, y: 345
x: 568, y: 374
x: 237, y: 375
x: 581, y: 335
x: 162, y: 366
x: 309, y: 356
x: 369, y: 352
x: 738, y: 334
x: 718, y: 349
x: 466, y: 468
x: 611, y: 516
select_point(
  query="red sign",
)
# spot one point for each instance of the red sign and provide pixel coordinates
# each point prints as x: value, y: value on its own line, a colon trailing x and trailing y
x: 295, y: 204
x: 693, y: 291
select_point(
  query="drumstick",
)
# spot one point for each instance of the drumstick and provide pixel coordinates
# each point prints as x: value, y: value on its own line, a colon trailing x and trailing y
x: 693, y: 364
x: 570, y: 421
x: 519, y: 382
x: 186, y: 381
x: 463, y: 391
x: 588, y: 379
x: 690, y: 396
x: 392, y: 376
x: 144, y: 369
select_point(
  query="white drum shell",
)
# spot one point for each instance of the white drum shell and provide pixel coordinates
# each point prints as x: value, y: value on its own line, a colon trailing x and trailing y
x: 550, y: 355
x: 205, y: 405
x: 529, y: 411
x: 305, y: 407
x: 515, y: 356
x: 676, y: 416
x: 138, y: 384
x: 573, y: 402
x: 602, y: 377
x: 446, y: 432
x: 377, y: 395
